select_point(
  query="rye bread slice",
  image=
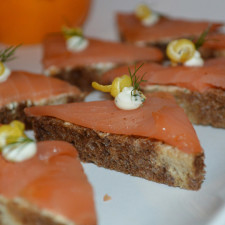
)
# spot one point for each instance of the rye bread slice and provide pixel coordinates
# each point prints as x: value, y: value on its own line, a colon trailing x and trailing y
x: 138, y: 156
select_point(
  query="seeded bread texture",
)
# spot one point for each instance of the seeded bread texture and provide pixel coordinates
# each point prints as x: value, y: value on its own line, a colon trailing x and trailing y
x: 137, y: 156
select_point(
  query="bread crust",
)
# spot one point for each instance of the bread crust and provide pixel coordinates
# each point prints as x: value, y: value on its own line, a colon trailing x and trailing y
x: 138, y: 156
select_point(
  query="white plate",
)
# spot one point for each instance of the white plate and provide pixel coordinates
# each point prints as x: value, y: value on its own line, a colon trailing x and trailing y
x: 136, y: 201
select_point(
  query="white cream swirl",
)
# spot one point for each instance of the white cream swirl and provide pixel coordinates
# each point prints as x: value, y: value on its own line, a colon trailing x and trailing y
x: 129, y: 99
x: 76, y: 43
x: 19, y: 152
x: 4, y: 76
x: 196, y: 60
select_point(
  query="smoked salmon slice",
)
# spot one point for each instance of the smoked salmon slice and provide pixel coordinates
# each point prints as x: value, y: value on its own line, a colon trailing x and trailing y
x: 212, y: 74
x: 83, y: 67
x: 98, y: 51
x: 165, y: 30
x: 160, y: 118
x: 23, y: 89
x: 22, y: 86
x: 215, y: 41
x: 217, y: 62
x: 52, y: 180
x: 214, y: 46
x: 200, y: 91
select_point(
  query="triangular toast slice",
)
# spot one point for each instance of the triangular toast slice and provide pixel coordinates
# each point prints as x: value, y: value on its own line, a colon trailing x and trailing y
x: 50, y: 188
x: 23, y: 89
x: 83, y: 67
x: 155, y: 141
x: 200, y: 91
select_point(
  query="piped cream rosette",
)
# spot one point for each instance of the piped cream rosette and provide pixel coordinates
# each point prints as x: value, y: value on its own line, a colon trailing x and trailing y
x: 15, y: 146
x: 75, y: 40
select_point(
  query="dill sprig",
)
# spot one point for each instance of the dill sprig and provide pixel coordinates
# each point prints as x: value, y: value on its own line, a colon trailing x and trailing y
x: 20, y: 141
x: 7, y: 54
x: 16, y: 150
x: 135, y: 80
x: 200, y: 41
x: 70, y: 32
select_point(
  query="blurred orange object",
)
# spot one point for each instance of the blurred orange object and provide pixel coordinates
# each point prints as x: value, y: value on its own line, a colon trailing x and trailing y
x: 28, y: 21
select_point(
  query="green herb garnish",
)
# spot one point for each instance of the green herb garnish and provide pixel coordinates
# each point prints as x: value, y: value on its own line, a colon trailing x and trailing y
x: 70, y: 32
x: 14, y: 151
x: 200, y: 41
x: 136, y: 81
x: 7, y: 54
x: 20, y: 141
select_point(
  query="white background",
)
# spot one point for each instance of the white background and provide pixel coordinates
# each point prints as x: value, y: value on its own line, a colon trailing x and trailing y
x: 136, y: 201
